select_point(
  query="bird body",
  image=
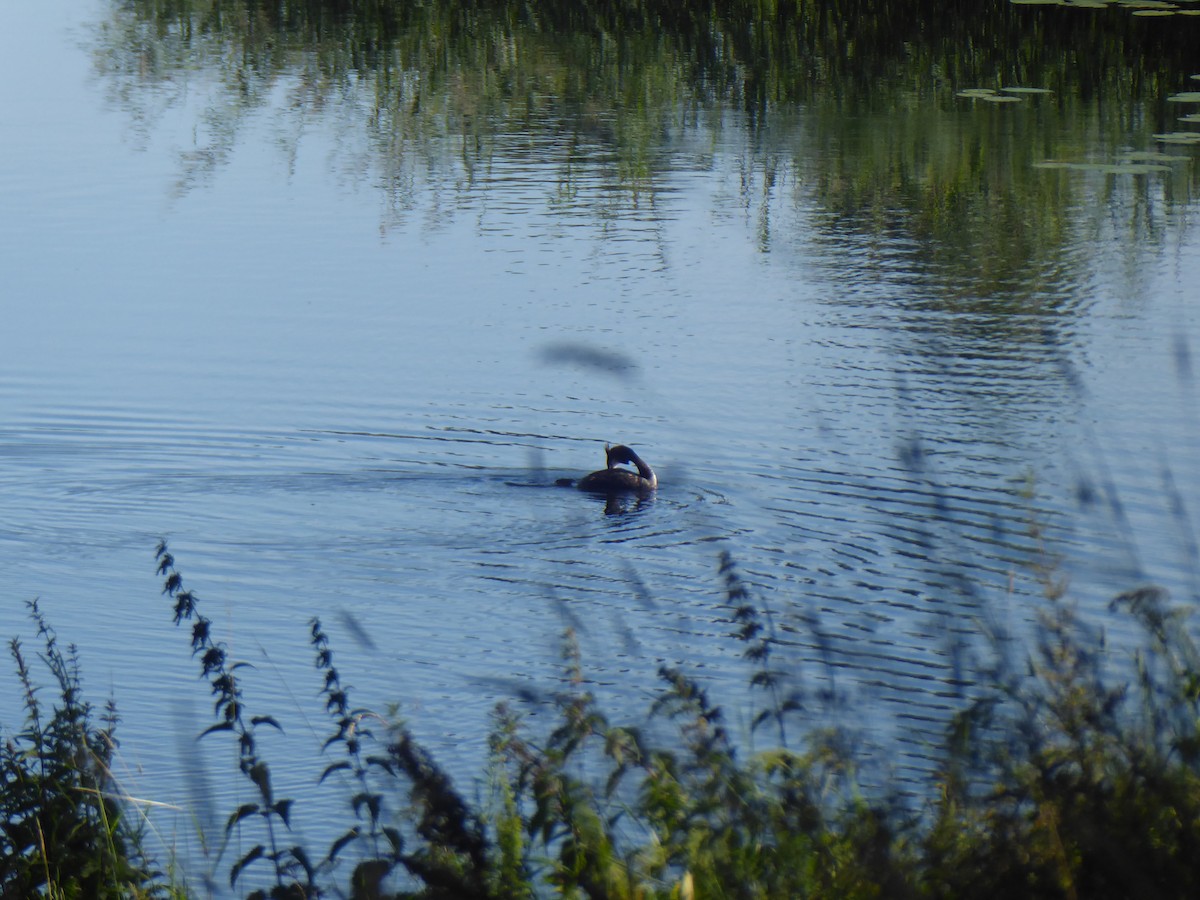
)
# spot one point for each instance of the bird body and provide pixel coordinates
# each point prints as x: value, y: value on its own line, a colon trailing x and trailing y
x: 614, y: 479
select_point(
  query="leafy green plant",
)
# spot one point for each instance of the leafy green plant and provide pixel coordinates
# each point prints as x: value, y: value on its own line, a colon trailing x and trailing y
x: 293, y: 873
x: 64, y: 830
x: 1075, y: 776
x: 446, y: 854
x: 381, y: 844
x: 1092, y: 788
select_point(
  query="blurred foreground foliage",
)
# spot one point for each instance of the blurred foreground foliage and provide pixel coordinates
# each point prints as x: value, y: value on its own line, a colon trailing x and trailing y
x: 64, y: 832
x: 1074, y: 774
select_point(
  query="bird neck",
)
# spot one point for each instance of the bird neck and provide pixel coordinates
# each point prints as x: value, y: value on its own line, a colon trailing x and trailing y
x: 644, y: 470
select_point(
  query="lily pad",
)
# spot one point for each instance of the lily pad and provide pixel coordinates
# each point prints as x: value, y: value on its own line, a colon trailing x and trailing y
x: 1026, y: 90
x: 1104, y: 168
x: 1194, y: 117
x: 1179, y: 137
x: 1136, y: 169
x: 988, y: 95
x: 1185, y: 97
x: 1152, y: 156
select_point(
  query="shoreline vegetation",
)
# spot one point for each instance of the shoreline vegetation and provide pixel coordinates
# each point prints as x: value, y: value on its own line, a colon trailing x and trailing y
x: 1070, y: 775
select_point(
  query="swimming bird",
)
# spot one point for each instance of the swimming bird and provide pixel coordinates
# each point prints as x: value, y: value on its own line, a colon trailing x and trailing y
x: 614, y: 479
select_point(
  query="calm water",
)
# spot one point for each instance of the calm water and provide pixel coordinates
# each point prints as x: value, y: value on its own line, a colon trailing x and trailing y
x: 338, y: 361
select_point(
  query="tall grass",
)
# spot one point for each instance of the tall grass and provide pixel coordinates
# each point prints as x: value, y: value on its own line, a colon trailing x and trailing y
x: 1072, y: 776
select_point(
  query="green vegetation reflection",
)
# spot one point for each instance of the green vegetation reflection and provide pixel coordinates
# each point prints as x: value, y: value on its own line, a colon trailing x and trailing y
x: 445, y: 81
x: 987, y: 141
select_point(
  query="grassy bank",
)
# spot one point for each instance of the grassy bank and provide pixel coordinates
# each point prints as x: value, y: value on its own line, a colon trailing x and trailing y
x: 1074, y: 775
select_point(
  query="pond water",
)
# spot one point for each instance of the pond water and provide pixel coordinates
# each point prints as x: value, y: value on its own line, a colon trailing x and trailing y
x: 332, y: 313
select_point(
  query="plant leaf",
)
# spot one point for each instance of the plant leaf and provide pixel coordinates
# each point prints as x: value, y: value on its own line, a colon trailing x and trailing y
x: 243, y: 811
x: 220, y: 726
x: 283, y: 808
x: 255, y: 854
x: 339, y: 766
x: 340, y: 843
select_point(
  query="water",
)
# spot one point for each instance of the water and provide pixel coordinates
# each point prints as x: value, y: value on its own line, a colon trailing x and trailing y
x: 339, y: 368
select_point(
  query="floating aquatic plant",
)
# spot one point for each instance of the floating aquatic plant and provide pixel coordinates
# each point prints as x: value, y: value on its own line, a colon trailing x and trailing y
x: 1119, y: 168
x: 1138, y: 7
x: 1151, y: 156
x: 1178, y: 137
x: 988, y: 95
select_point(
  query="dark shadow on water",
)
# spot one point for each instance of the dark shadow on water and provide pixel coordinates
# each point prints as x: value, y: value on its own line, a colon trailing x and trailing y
x: 586, y: 356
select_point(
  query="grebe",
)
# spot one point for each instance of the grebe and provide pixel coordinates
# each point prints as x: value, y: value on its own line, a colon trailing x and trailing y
x: 613, y: 479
